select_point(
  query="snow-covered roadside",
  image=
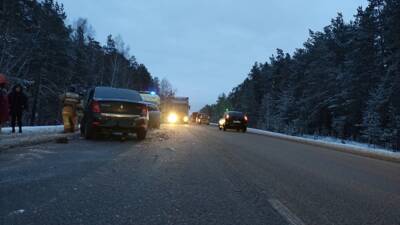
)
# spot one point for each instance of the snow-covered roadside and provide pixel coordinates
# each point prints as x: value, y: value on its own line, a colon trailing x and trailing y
x: 30, y: 136
x: 332, y: 143
x: 352, y: 147
x: 35, y: 130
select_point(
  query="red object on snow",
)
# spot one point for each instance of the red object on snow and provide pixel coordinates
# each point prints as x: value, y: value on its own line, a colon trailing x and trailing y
x: 4, y: 113
x: 4, y: 107
x: 3, y: 79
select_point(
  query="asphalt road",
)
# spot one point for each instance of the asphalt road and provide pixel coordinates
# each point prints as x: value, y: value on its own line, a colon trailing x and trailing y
x: 195, y: 175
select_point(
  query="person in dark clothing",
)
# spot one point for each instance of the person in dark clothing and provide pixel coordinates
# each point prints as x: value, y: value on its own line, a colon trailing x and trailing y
x: 4, y: 115
x: 18, y: 103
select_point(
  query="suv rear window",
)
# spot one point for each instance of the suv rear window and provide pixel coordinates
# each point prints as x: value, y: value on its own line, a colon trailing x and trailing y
x: 236, y: 114
x: 116, y: 93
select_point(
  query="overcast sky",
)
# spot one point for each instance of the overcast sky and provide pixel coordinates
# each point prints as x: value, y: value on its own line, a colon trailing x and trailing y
x: 206, y: 47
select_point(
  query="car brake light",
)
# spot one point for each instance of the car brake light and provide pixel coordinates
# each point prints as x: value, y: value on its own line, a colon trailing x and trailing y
x: 144, y: 111
x: 95, y: 107
x: 245, y: 118
x: 227, y: 116
x: 95, y: 123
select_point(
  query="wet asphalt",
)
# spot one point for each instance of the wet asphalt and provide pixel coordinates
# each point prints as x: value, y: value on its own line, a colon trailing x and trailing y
x: 186, y: 174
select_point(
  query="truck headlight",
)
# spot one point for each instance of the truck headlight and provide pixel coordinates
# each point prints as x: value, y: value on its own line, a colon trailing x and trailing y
x: 172, y: 118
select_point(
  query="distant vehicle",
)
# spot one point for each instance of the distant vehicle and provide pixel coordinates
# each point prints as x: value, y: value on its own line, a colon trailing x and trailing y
x: 175, y: 110
x: 108, y: 110
x: 193, y: 117
x: 233, y: 120
x: 154, y: 116
x: 203, y: 119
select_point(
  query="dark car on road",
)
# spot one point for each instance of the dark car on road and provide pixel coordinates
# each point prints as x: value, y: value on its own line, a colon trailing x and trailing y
x: 108, y: 110
x: 233, y: 120
x: 154, y: 116
x: 203, y: 119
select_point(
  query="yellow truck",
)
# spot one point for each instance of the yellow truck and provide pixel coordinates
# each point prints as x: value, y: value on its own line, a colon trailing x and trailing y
x: 175, y: 110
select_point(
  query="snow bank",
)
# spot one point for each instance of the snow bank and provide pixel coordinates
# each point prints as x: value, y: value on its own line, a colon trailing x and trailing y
x: 31, y: 136
x: 333, y: 143
x: 329, y: 142
x: 36, y: 129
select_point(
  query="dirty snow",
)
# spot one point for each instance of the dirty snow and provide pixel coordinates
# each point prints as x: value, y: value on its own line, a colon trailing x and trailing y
x: 351, y: 146
x: 35, y: 129
x: 332, y: 142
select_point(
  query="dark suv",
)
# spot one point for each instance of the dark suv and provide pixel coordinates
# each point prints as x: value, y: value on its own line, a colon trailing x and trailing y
x: 108, y: 110
x: 233, y: 120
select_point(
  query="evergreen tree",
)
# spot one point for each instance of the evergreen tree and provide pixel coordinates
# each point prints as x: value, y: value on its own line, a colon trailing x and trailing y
x: 40, y: 51
x: 343, y: 83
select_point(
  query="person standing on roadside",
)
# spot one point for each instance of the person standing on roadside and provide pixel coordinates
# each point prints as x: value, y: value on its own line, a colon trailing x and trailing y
x: 18, y: 103
x: 3, y: 101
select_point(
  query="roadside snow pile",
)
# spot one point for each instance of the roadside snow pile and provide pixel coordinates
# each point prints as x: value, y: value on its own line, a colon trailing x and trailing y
x: 30, y: 136
x: 341, y: 145
x: 35, y: 130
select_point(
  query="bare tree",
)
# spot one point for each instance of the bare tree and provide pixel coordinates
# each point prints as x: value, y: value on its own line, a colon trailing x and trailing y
x: 166, y: 89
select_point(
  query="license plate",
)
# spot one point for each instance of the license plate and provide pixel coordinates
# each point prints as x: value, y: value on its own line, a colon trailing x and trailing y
x: 236, y: 121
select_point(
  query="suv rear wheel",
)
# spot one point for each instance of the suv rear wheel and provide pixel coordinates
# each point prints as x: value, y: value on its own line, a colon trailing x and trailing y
x: 141, y: 134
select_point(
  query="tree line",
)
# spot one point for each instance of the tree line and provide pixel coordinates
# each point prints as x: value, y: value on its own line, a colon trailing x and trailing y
x: 344, y: 82
x: 38, y: 49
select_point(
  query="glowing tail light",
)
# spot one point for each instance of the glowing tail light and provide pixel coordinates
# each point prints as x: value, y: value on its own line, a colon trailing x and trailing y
x: 144, y: 111
x: 95, y: 107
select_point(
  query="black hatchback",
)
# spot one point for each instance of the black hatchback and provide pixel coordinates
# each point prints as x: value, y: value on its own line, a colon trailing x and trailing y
x: 233, y: 120
x: 108, y: 110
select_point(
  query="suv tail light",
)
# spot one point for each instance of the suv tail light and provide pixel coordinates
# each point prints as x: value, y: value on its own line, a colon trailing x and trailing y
x: 95, y: 107
x: 144, y: 111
